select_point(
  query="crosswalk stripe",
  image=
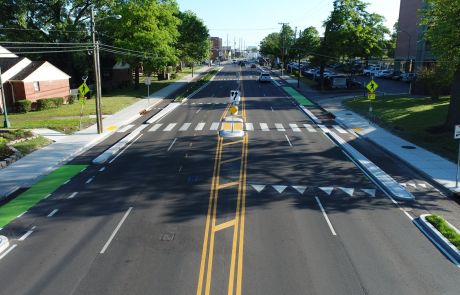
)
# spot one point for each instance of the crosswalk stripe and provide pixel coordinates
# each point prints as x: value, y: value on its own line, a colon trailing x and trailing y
x: 155, y: 127
x: 249, y: 127
x: 125, y: 128
x: 185, y: 127
x: 264, y: 127
x: 309, y: 128
x: 200, y: 126
x: 339, y: 129
x: 279, y: 127
x: 214, y: 126
x: 324, y: 128
x: 170, y: 127
x: 294, y: 127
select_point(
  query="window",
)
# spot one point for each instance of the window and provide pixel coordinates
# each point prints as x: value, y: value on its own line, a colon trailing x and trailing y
x: 36, y: 86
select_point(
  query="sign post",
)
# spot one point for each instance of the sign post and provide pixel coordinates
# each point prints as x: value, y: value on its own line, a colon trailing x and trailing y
x: 457, y: 136
x: 82, y: 91
x: 147, y: 82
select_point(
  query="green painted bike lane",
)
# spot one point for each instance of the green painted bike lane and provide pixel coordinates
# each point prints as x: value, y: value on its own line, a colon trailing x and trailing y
x: 302, y: 100
x: 37, y: 192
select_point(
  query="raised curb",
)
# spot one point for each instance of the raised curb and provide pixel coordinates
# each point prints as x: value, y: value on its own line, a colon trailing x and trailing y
x: 4, y: 244
x: 438, y: 239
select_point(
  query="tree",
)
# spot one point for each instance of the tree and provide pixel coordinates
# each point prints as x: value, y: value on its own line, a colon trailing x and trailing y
x: 286, y: 41
x: 390, y: 45
x: 307, y: 43
x: 269, y: 46
x: 149, y: 26
x: 193, y: 44
x: 441, y: 18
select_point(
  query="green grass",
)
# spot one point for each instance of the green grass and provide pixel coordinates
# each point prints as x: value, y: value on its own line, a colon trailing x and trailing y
x: 441, y: 225
x: 411, y: 119
x: 28, y: 146
x: 297, y: 96
x: 37, y: 192
x: 193, y: 86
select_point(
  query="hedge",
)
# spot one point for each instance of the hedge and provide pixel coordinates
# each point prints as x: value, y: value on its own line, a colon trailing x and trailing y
x: 23, y: 106
x: 49, y: 103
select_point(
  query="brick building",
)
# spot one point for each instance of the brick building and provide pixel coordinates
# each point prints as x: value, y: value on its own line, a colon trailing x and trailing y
x: 216, y: 48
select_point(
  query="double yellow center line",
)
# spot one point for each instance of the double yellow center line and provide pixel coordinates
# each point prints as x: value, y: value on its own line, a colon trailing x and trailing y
x: 236, y: 259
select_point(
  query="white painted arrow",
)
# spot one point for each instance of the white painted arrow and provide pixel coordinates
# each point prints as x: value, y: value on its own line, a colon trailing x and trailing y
x: 300, y: 188
x: 422, y: 185
x: 403, y: 184
x: 348, y: 191
x: 258, y: 187
x: 369, y: 191
x: 279, y: 188
x: 412, y: 185
x: 327, y: 190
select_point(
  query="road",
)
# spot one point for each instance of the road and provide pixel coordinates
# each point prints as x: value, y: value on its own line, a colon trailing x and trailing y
x: 182, y: 211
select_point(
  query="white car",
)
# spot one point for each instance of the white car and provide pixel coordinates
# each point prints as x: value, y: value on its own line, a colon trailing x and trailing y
x: 265, y: 77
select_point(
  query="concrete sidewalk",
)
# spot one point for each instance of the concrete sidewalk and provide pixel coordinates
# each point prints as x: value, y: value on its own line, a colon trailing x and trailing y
x: 32, y: 167
x: 431, y: 165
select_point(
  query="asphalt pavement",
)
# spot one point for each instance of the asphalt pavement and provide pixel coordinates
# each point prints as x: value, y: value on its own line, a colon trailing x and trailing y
x: 181, y: 211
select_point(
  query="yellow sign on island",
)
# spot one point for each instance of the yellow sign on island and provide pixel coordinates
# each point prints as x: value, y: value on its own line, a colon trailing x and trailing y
x: 371, y: 95
x: 372, y: 86
x: 234, y: 110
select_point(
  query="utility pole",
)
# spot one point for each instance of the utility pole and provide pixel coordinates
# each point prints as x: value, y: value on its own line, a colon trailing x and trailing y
x: 6, y: 122
x: 283, y: 52
x: 298, y: 53
x: 97, y: 73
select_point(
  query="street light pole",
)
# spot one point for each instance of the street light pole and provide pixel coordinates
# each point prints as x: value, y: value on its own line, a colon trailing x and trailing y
x: 6, y: 122
x: 96, y: 73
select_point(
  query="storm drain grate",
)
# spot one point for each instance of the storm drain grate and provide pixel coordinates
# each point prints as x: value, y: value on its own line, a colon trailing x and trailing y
x: 408, y: 147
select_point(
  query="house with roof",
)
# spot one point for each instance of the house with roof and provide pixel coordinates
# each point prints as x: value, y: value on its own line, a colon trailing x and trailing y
x: 23, y: 78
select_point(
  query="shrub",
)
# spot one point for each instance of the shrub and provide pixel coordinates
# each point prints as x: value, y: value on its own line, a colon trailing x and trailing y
x: 441, y: 225
x: 434, y: 81
x: 23, y: 106
x: 49, y: 103
x: 72, y: 99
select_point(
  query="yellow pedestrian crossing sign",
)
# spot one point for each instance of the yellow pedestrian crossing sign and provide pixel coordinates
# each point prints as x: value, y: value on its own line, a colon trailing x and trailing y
x: 83, y: 89
x: 372, y: 86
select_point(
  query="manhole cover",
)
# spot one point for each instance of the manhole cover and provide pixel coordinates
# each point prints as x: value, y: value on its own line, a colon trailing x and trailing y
x: 408, y: 147
x: 167, y: 237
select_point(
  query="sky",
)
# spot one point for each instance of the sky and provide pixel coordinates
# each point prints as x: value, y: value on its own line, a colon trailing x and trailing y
x: 252, y: 20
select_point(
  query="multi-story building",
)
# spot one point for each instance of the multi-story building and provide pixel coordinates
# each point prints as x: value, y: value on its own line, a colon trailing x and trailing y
x: 412, y: 51
x: 216, y: 48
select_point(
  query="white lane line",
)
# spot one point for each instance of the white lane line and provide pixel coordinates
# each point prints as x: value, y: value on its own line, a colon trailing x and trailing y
x: 8, y: 251
x: 309, y: 128
x: 185, y: 127
x: 20, y: 215
x: 125, y: 128
x: 325, y: 216
x: 324, y: 128
x: 264, y: 127
x: 127, y: 147
x: 115, y: 231
x: 72, y: 195
x: 198, y: 111
x: 66, y: 182
x: 89, y: 180
x: 28, y: 233
x: 47, y: 196
x: 272, y: 109
x: 214, y: 126
x: 170, y: 127
x: 287, y: 138
x: 200, y: 126
x: 52, y: 213
x: 279, y: 127
x: 172, y: 143
x: 339, y: 129
x: 102, y: 169
x: 249, y: 127
x: 155, y: 127
x: 295, y: 128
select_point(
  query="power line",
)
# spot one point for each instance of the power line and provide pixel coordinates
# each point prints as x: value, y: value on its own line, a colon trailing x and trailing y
x: 39, y: 30
x: 44, y: 43
x: 43, y: 52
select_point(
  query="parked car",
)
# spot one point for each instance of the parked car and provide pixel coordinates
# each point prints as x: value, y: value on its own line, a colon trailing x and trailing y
x: 253, y: 66
x: 396, y: 75
x: 407, y: 77
x: 336, y: 81
x: 264, y: 77
x: 371, y: 70
x: 384, y: 74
